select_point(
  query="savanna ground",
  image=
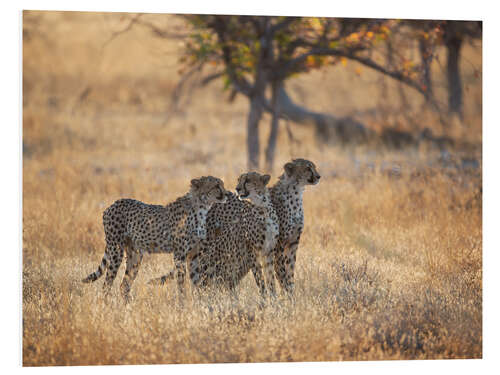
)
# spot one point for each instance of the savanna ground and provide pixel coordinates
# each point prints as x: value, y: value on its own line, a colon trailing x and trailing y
x: 390, y: 261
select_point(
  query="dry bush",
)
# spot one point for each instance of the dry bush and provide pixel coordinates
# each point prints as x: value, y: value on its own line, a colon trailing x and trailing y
x: 389, y: 265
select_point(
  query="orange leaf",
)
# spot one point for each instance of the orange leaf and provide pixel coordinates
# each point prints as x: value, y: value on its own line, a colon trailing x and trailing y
x: 385, y: 29
x: 310, y: 62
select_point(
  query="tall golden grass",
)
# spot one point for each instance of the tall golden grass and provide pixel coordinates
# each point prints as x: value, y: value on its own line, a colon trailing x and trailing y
x: 389, y: 264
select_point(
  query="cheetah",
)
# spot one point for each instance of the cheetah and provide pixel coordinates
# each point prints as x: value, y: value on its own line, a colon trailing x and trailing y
x: 241, y: 236
x: 286, y: 197
x: 138, y: 228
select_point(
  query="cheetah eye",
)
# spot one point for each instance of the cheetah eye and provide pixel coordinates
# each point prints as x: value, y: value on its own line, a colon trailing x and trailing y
x: 217, y: 191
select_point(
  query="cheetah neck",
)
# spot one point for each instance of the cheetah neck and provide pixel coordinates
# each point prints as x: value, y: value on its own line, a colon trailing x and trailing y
x: 287, y: 192
x: 290, y: 189
x: 199, y: 212
x: 267, y: 214
x: 198, y: 205
x: 265, y: 202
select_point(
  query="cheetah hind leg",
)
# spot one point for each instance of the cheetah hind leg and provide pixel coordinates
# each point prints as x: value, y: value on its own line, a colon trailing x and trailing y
x: 115, y: 260
x: 268, y: 260
x: 110, y: 263
x: 282, y: 269
x: 259, y: 279
x: 134, y: 259
x: 162, y: 280
x: 266, y: 263
x: 192, y: 254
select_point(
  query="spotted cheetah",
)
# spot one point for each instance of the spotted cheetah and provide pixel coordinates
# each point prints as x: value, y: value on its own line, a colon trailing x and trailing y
x: 140, y: 228
x: 286, y: 196
x: 241, y: 236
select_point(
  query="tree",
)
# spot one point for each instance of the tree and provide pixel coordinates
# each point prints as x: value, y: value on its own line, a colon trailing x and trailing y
x: 260, y: 52
x: 253, y: 54
x: 455, y: 33
x: 451, y: 35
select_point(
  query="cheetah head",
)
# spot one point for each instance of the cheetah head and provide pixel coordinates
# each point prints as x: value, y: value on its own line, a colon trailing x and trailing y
x: 302, y: 171
x: 209, y: 190
x: 252, y: 186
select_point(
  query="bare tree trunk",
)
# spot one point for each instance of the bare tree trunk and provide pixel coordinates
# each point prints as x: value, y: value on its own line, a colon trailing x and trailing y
x: 453, y: 46
x: 273, y: 135
x: 253, y: 147
x: 426, y: 59
x: 257, y: 98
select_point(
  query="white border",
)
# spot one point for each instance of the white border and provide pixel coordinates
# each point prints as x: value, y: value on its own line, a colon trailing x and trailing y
x: 361, y: 8
x: 11, y: 194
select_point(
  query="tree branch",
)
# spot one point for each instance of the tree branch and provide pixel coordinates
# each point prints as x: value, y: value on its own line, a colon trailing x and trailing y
x: 160, y: 32
x: 351, y: 55
x: 205, y: 81
x: 317, y: 51
x: 178, y: 90
x: 114, y: 35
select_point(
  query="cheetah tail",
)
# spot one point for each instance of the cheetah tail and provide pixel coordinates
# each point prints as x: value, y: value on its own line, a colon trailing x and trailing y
x: 98, y: 273
x: 162, y: 280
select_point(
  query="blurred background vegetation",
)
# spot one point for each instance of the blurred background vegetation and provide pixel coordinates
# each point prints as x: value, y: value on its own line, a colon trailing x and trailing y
x: 390, y: 83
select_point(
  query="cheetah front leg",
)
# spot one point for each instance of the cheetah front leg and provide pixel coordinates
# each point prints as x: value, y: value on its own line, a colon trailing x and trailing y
x: 279, y: 266
x: 196, y: 275
x: 289, y: 259
x: 259, y: 279
x: 267, y: 260
x: 134, y: 259
x: 180, y: 270
x: 284, y: 266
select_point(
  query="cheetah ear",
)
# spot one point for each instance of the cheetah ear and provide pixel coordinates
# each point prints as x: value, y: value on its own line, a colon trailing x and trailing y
x: 289, y: 168
x: 265, y: 179
x: 195, y: 183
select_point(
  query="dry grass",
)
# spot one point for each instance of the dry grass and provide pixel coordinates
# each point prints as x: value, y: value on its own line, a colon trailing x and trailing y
x: 389, y: 265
